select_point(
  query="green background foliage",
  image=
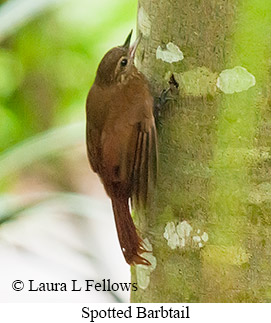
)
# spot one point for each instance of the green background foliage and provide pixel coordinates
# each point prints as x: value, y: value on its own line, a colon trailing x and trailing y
x: 48, y: 63
x: 49, y: 52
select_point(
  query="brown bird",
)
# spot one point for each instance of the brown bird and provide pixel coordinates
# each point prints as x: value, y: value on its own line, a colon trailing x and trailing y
x: 121, y: 140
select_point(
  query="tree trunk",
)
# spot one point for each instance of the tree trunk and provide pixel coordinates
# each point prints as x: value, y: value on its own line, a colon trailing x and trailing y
x: 209, y: 226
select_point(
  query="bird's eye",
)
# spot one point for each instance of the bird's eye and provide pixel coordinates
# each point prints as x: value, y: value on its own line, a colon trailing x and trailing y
x: 124, y: 62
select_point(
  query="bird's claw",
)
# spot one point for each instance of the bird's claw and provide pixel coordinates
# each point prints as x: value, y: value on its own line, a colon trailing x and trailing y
x: 166, y: 95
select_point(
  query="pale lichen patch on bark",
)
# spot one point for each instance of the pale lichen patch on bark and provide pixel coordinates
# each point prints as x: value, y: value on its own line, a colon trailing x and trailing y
x: 143, y: 272
x: 184, y: 229
x: 205, y: 237
x: 144, y: 22
x: 233, y: 80
x: 170, y: 54
x: 171, y: 235
x: 181, y: 236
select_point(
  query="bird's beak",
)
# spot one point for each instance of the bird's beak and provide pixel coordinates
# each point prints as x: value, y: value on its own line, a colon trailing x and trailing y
x: 134, y: 46
x: 128, y: 40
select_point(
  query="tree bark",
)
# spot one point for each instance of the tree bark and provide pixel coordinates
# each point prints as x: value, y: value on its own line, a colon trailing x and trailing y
x: 209, y: 225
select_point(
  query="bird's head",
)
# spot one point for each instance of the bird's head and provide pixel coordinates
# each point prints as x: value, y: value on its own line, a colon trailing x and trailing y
x: 118, y: 63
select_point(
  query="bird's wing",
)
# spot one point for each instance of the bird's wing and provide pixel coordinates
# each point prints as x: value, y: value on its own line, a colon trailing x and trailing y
x: 145, y: 164
x: 95, y: 114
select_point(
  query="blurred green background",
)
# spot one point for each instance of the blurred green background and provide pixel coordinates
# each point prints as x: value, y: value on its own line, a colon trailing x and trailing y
x: 49, y: 52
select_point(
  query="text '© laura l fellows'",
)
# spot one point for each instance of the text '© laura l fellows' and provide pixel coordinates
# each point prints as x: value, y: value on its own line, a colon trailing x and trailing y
x: 88, y: 285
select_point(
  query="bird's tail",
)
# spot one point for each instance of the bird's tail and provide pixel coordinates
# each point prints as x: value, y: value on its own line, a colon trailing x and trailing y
x: 130, y: 243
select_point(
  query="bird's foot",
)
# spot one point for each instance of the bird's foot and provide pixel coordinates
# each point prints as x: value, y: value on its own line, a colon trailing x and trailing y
x: 166, y: 95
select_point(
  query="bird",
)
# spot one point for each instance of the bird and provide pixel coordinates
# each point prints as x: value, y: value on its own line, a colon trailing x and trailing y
x: 121, y: 141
